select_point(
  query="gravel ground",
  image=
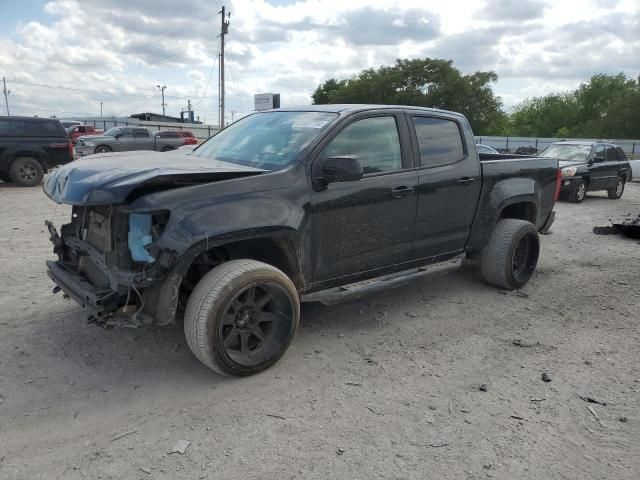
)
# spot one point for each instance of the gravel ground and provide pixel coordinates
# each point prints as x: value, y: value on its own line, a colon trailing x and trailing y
x: 385, y: 387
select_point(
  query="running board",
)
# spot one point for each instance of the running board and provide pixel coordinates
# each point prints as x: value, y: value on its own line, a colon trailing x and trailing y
x: 352, y: 291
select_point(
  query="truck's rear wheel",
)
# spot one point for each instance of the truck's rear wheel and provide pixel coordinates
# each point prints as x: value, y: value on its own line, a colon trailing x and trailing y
x: 511, y: 255
x: 26, y: 172
x: 241, y: 317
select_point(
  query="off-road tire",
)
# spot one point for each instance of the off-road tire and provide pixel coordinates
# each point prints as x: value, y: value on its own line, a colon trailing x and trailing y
x: 579, y: 192
x: 498, y: 258
x: 616, y: 192
x: 103, y: 149
x: 26, y: 172
x: 213, y: 296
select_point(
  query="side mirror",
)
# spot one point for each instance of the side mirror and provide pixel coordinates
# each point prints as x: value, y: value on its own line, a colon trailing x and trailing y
x: 343, y: 168
x: 598, y: 159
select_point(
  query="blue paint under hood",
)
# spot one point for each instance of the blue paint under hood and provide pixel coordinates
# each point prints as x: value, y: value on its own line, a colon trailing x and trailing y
x: 114, y: 178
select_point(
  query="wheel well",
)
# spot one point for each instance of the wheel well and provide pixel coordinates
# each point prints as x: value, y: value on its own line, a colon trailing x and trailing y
x: 277, y: 252
x: 521, y: 211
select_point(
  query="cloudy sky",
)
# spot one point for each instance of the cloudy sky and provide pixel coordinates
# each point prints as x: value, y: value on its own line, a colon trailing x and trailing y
x: 64, y: 57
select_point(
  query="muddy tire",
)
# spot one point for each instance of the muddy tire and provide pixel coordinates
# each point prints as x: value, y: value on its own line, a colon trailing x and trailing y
x: 511, y: 255
x: 579, y: 192
x: 26, y: 172
x: 241, y: 317
x: 616, y: 192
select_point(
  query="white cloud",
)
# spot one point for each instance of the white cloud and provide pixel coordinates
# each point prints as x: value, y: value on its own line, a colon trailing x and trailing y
x: 116, y: 51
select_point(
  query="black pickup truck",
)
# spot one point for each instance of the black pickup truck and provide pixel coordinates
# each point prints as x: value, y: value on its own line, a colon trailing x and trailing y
x: 315, y: 203
x: 31, y: 146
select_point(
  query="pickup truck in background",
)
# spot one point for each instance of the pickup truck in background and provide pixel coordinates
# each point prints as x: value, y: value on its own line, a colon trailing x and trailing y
x: 29, y: 147
x: 126, y: 139
x: 78, y: 131
x: 318, y: 203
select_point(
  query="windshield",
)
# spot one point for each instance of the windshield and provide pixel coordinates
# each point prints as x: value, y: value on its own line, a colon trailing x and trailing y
x: 112, y: 132
x: 575, y: 153
x: 269, y: 140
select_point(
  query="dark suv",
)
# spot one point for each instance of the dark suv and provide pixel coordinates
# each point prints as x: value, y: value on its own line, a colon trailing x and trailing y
x: 589, y: 166
x: 31, y: 146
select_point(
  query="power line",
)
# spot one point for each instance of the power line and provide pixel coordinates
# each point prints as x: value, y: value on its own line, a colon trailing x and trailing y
x: 215, y: 62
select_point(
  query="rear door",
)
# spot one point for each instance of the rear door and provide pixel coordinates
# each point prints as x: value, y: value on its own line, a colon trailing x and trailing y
x: 361, y: 227
x: 143, y: 139
x: 612, y: 162
x: 449, y: 183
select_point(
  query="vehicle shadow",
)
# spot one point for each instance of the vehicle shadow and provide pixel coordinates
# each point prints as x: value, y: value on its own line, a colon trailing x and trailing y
x: 66, y: 347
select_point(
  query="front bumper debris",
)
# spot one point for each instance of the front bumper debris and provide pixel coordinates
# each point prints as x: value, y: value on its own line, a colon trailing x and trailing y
x: 98, y: 301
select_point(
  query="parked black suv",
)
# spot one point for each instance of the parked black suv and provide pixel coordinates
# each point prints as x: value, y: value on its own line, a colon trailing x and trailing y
x: 31, y: 146
x: 588, y: 166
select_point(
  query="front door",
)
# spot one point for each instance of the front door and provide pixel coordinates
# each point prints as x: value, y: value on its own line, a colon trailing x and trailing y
x: 449, y: 185
x: 359, y: 228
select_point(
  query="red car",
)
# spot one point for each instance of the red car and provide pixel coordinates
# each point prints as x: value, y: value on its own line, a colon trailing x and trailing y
x: 82, y: 131
x: 187, y: 136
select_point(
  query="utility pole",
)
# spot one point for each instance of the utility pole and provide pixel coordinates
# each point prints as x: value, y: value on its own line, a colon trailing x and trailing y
x: 100, y: 109
x: 162, y: 89
x: 6, y: 95
x: 189, y: 110
x: 224, y: 30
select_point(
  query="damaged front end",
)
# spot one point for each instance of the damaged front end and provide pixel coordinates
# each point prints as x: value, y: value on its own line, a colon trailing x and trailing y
x: 108, y: 263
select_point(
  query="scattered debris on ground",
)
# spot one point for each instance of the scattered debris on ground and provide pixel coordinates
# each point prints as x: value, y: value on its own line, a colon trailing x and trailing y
x: 180, y: 447
x: 592, y: 400
x: 546, y: 377
x: 629, y: 228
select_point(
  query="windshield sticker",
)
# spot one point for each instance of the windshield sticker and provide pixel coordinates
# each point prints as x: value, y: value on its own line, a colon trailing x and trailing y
x: 310, y: 124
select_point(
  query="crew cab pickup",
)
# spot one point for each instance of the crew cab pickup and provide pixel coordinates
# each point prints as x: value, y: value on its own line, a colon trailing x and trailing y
x: 317, y: 203
x: 126, y: 139
x: 29, y: 147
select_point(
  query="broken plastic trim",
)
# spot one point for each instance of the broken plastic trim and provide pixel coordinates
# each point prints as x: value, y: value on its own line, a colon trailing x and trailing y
x: 144, y: 229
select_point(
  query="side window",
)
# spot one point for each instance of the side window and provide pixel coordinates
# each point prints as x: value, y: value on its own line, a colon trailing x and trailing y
x: 598, y: 155
x: 612, y: 154
x: 4, y: 127
x: 374, y: 140
x: 82, y: 130
x: 439, y: 141
x: 621, y: 155
x: 141, y: 133
x: 126, y: 133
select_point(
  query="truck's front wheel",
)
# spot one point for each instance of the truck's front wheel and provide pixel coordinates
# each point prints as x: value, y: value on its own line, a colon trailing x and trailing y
x: 511, y: 255
x: 241, y: 317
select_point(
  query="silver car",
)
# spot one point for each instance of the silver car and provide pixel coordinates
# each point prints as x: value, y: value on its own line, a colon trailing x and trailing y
x: 125, y: 139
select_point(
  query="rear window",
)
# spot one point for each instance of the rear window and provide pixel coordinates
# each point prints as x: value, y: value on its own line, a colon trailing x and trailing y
x: 32, y: 128
x: 169, y: 135
x: 439, y: 141
x: 621, y: 155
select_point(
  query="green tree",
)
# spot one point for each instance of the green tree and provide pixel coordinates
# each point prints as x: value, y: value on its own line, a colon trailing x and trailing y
x: 606, y: 106
x: 423, y: 82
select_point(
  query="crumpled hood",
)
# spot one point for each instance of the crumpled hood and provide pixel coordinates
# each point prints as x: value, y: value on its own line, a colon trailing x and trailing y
x: 112, y: 178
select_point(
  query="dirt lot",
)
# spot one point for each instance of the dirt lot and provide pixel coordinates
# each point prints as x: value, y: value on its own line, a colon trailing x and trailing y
x: 385, y: 387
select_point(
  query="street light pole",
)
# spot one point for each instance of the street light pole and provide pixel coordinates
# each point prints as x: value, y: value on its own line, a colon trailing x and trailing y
x: 6, y: 95
x: 100, y: 109
x: 162, y: 89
